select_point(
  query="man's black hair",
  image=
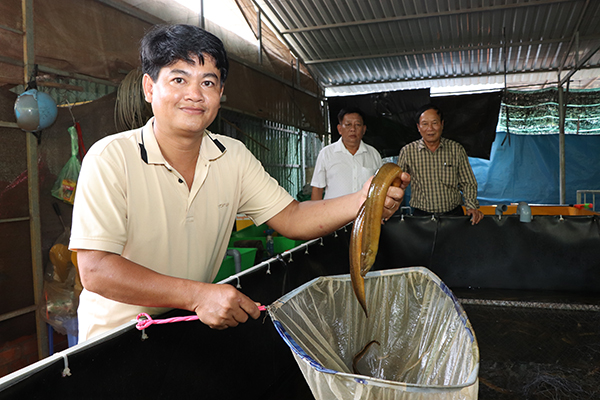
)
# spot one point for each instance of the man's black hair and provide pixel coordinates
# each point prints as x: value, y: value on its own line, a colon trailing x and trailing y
x: 164, y: 45
x: 426, y: 107
x: 350, y: 110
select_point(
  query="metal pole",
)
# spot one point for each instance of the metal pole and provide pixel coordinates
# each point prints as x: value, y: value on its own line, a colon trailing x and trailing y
x: 298, y: 72
x: 259, y: 31
x: 33, y: 184
x: 561, y: 144
x: 304, y: 140
x: 201, y: 15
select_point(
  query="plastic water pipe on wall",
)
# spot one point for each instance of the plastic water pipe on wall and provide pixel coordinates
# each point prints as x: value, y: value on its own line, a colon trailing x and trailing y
x: 237, y: 259
x: 524, y: 212
x: 500, y: 208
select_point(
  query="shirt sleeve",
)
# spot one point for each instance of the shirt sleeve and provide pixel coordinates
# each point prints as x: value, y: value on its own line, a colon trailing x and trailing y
x: 466, y: 180
x: 261, y: 195
x: 403, y: 160
x: 319, y: 178
x: 100, y: 207
x: 379, y: 159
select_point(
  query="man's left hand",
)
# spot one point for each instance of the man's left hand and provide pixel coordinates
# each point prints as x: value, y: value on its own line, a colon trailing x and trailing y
x: 475, y: 214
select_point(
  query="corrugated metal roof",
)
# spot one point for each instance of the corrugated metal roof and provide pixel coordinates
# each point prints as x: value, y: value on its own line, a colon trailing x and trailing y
x: 410, y: 43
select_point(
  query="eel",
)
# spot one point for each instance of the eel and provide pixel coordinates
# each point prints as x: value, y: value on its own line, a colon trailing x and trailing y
x: 360, y: 355
x: 364, y: 241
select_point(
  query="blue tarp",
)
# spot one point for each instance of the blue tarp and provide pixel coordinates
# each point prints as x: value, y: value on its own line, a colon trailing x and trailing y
x: 527, y: 169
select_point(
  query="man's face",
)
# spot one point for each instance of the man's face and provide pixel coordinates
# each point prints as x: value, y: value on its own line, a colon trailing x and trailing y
x: 430, y: 126
x: 352, y: 129
x: 185, y: 97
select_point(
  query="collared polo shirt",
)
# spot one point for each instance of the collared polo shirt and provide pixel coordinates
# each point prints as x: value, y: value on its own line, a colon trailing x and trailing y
x: 340, y: 172
x: 144, y: 211
x: 441, y: 180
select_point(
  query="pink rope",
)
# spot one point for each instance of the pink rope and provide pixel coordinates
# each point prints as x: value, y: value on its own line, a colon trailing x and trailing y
x: 145, y: 320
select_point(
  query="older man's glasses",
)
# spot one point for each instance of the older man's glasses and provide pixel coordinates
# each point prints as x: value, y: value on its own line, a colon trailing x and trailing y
x: 356, y: 125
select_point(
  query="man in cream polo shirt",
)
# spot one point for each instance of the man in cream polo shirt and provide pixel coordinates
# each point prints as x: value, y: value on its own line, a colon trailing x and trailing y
x: 155, y: 206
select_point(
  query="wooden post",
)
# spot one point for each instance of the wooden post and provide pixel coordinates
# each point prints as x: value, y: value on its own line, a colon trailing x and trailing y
x: 33, y: 184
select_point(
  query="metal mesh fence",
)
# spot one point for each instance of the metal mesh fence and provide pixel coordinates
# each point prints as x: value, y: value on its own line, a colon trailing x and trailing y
x: 286, y: 152
x: 536, y: 350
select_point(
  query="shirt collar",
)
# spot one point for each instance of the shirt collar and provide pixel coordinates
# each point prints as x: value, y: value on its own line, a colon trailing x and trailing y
x: 421, y: 143
x: 208, y: 149
x: 149, y: 145
x: 339, y: 146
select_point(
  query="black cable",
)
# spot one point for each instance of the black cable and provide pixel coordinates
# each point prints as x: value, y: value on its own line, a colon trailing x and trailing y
x: 437, y: 227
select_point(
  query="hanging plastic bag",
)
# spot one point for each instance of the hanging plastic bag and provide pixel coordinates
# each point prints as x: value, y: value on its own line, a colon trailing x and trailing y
x: 65, y: 185
x: 61, y: 288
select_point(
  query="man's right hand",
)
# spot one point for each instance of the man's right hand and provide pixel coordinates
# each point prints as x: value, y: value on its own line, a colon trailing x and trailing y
x: 222, y: 306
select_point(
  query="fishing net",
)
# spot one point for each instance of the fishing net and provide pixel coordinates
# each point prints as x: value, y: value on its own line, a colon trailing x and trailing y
x: 537, y: 112
x: 425, y: 347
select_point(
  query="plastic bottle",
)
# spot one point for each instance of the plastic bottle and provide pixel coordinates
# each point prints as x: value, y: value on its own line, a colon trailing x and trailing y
x: 270, y: 243
x: 584, y: 205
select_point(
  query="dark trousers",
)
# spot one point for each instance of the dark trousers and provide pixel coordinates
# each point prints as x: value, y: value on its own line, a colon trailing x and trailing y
x: 455, y: 211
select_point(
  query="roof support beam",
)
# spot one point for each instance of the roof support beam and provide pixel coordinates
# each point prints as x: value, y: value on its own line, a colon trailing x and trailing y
x: 579, y: 65
x: 490, y: 74
x: 54, y: 71
x: 448, y: 50
x: 421, y: 16
x: 275, y: 30
x: 134, y: 12
x: 573, y: 37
